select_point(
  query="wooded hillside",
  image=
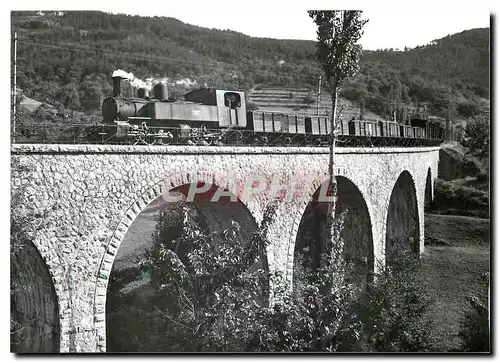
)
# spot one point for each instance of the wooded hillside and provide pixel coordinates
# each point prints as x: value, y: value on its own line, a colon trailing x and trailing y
x: 66, y: 59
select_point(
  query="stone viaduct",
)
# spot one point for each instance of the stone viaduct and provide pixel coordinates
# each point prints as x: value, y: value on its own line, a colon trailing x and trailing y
x: 81, y: 200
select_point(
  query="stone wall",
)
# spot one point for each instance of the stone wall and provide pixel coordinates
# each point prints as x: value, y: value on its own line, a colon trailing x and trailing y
x: 90, y: 194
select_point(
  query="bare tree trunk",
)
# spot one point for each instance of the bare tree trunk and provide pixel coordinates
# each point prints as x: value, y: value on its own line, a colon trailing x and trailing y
x: 333, y: 124
x: 330, y: 222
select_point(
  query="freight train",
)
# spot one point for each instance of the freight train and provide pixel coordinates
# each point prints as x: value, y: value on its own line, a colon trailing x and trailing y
x: 214, y: 116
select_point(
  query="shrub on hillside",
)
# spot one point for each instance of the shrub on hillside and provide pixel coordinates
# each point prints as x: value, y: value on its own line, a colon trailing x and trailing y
x: 475, y: 327
x: 477, y: 136
x: 471, y: 165
x: 211, y: 298
x: 251, y: 106
x: 394, y: 309
x: 390, y: 314
x: 207, y: 297
x: 468, y: 109
x: 482, y: 177
x: 449, y: 195
x: 308, y: 100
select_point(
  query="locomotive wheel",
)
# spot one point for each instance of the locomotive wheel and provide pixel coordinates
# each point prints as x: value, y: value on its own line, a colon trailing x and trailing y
x: 233, y: 137
x: 134, y: 140
x: 163, y: 138
x: 142, y: 140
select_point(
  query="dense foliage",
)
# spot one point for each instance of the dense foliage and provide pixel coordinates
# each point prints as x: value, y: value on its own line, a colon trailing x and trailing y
x: 475, y: 325
x: 394, y: 311
x: 207, y: 286
x: 66, y: 60
x: 337, y: 49
x: 450, y: 76
x: 477, y: 136
x: 453, y: 198
x: 205, y: 293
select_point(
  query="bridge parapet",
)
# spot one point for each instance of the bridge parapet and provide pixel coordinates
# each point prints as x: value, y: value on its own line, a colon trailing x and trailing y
x: 175, y: 149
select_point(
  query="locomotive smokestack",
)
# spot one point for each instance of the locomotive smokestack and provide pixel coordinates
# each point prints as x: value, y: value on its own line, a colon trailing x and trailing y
x: 160, y: 91
x: 117, y: 90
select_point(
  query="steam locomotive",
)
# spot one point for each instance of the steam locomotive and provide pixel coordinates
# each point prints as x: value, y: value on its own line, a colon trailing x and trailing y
x: 212, y: 116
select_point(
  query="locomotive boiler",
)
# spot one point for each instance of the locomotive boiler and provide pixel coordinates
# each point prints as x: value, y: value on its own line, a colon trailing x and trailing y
x: 162, y: 117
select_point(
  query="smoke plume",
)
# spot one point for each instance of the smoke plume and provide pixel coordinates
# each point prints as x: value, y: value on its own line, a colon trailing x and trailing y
x: 137, y: 82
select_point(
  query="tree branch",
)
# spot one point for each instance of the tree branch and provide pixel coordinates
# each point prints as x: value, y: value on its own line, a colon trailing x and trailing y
x: 172, y: 320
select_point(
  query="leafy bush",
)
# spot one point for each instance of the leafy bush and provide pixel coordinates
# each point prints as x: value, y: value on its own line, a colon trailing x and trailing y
x: 308, y: 100
x: 477, y: 136
x: 251, y: 106
x: 208, y: 286
x: 471, y: 166
x: 449, y: 195
x: 467, y: 109
x: 482, y: 177
x: 475, y: 327
x: 312, y: 321
x: 393, y: 310
x: 207, y: 294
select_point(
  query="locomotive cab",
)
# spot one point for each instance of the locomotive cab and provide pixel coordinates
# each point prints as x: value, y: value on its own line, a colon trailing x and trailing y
x: 232, y: 100
x: 231, y: 108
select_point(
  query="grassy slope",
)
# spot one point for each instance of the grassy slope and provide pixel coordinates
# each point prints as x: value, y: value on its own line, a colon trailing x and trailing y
x: 458, y: 231
x: 454, y: 269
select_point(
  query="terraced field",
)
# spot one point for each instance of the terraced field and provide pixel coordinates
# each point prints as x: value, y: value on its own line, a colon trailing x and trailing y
x: 302, y: 100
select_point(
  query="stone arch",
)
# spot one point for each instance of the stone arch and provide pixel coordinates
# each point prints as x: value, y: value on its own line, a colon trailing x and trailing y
x: 357, y: 230
x: 34, y: 302
x: 146, y: 196
x: 402, y: 221
x: 428, y: 196
x: 292, y: 239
